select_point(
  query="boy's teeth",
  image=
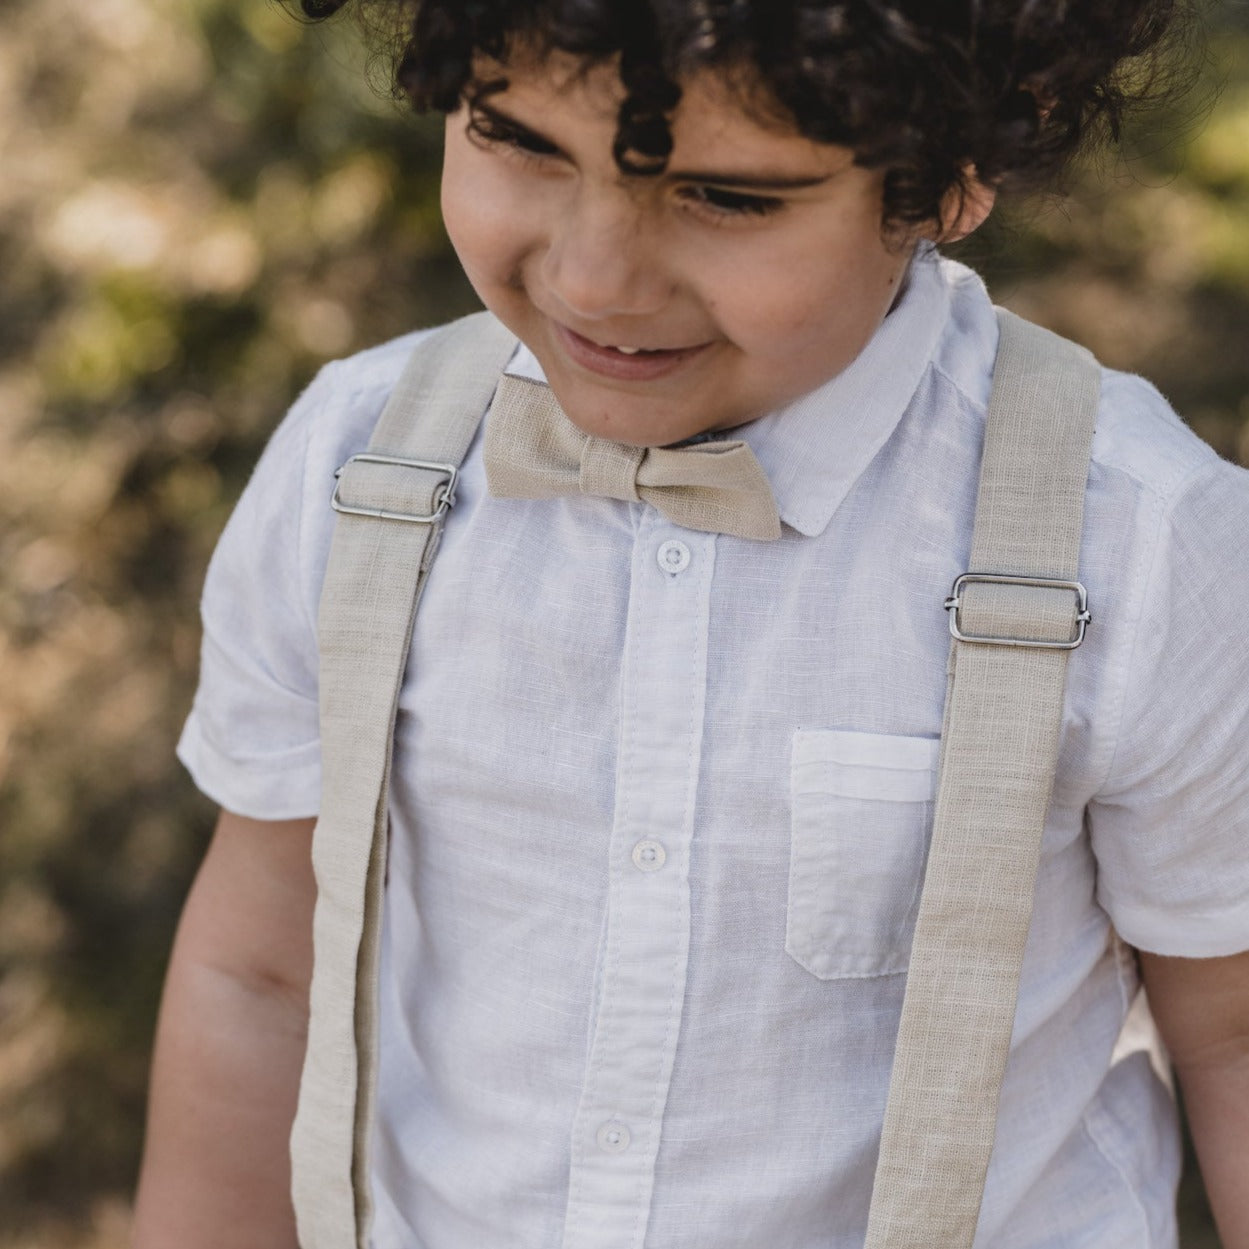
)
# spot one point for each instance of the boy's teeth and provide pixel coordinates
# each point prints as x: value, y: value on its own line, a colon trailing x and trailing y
x: 628, y: 351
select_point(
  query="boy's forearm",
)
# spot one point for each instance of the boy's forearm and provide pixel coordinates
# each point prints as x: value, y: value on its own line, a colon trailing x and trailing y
x: 1216, y: 1098
x: 1201, y: 1007
x: 225, y: 1078
x: 230, y: 1047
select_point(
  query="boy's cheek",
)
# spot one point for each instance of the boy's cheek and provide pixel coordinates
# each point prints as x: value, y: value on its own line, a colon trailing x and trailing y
x: 473, y: 196
x: 495, y: 232
x: 833, y: 313
x: 465, y: 214
x: 478, y: 231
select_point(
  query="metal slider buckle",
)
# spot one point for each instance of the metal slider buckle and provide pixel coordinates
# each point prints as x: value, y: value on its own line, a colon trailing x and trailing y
x: 954, y: 602
x: 445, y: 497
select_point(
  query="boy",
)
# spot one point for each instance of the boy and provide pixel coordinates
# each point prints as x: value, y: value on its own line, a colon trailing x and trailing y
x: 661, y: 791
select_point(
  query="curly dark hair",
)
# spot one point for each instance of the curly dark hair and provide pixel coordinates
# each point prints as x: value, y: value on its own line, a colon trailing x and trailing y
x: 925, y: 90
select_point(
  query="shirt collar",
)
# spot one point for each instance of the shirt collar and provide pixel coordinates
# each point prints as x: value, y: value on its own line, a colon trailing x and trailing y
x: 814, y: 449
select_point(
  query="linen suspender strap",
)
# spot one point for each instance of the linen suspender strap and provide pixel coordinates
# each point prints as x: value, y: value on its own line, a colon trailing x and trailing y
x: 998, y: 760
x: 392, y: 502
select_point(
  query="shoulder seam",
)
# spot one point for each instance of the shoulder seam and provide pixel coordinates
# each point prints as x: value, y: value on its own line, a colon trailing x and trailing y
x: 1173, y: 489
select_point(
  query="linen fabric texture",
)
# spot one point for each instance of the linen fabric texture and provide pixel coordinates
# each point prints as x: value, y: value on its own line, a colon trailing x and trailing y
x: 999, y: 754
x: 999, y: 741
x: 645, y: 925
x: 533, y: 451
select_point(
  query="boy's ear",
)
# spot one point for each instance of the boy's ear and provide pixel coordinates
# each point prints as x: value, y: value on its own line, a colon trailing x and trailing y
x: 965, y: 209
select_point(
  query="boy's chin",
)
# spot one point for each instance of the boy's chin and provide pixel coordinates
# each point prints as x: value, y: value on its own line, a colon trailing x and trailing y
x: 617, y: 426
x: 639, y: 421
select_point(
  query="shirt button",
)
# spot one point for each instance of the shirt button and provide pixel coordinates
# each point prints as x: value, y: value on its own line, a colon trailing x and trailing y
x: 674, y: 556
x: 613, y: 1137
x: 649, y: 856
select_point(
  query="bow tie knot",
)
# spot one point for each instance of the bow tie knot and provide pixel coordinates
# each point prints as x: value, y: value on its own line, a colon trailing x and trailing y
x: 533, y: 451
x: 610, y: 469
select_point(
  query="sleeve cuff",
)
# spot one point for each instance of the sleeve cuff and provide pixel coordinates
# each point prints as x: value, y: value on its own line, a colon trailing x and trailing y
x: 285, y: 786
x: 1183, y: 933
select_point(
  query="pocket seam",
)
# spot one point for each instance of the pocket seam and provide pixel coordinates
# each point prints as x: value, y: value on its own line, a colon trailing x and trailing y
x: 814, y: 869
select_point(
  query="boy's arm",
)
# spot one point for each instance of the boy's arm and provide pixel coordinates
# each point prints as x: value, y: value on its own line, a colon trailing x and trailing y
x: 230, y: 1046
x: 1201, y: 1007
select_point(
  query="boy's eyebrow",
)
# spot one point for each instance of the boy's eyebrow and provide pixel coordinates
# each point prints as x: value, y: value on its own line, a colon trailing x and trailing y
x: 747, y: 181
x: 497, y: 114
x: 753, y: 181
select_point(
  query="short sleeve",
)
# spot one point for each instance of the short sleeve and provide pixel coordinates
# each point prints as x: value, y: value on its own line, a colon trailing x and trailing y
x: 1170, y: 829
x: 251, y: 742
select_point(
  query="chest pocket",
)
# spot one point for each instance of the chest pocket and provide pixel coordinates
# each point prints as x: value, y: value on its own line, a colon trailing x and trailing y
x: 861, y: 818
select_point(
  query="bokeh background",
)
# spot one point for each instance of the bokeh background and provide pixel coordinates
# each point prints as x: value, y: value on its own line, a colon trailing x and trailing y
x: 201, y: 201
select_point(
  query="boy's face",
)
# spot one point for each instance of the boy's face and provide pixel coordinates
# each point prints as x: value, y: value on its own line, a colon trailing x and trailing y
x: 748, y: 273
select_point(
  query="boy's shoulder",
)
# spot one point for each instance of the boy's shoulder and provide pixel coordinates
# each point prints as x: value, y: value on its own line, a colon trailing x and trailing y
x: 341, y: 405
x: 1190, y: 504
x: 334, y: 416
x: 1139, y: 437
x: 373, y: 369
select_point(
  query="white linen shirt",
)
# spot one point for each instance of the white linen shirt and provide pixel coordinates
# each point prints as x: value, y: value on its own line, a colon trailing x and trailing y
x: 661, y: 800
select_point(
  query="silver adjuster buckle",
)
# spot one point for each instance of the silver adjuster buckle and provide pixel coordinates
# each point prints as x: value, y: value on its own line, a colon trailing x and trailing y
x: 954, y: 603
x: 445, y: 498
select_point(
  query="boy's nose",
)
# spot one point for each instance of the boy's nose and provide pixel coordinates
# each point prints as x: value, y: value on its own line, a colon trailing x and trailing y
x: 601, y: 261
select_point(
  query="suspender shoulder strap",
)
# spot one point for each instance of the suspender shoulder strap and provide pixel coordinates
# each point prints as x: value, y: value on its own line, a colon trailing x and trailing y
x: 392, y: 501
x: 1015, y: 618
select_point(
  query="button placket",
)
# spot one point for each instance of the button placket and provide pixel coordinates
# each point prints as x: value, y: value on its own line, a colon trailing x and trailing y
x: 635, y: 1030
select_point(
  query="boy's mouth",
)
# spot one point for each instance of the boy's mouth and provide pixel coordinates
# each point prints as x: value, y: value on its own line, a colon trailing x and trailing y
x: 624, y: 361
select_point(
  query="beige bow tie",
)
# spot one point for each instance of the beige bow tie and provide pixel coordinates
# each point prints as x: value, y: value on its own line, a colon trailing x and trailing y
x: 533, y: 451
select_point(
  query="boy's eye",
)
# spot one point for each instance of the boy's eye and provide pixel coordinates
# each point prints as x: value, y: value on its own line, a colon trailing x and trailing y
x: 493, y: 128
x: 724, y: 203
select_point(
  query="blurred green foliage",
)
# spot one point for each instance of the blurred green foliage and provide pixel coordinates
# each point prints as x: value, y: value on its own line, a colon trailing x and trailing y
x: 201, y: 202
